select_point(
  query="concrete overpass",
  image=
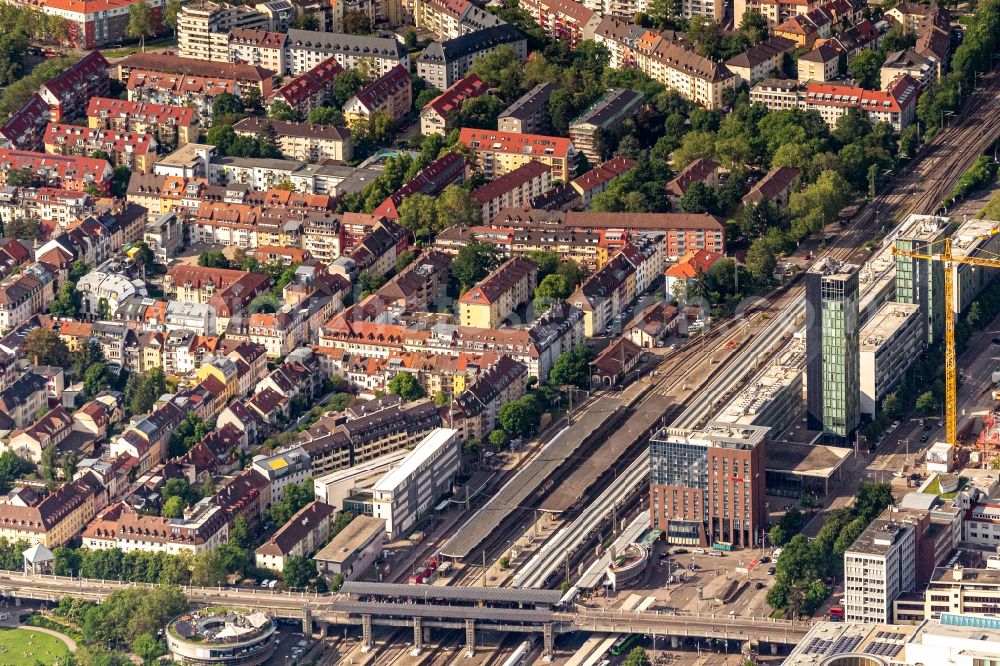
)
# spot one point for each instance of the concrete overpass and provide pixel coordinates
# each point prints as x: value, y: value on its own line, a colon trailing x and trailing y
x: 415, y: 605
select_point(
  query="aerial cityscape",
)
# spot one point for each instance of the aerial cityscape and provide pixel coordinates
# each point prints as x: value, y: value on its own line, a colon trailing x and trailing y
x: 424, y: 332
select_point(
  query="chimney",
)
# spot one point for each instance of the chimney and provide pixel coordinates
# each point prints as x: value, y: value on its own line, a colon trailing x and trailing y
x: 957, y: 573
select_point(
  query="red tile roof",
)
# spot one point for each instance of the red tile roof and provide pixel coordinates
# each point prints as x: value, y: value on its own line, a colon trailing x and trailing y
x: 182, y: 116
x: 451, y: 100
x: 305, y: 86
x: 511, y: 142
x: 107, y: 140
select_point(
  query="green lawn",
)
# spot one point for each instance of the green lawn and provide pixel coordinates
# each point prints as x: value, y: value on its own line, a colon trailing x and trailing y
x: 24, y: 647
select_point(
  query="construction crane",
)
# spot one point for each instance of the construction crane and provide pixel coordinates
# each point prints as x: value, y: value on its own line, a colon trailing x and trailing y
x: 927, y: 252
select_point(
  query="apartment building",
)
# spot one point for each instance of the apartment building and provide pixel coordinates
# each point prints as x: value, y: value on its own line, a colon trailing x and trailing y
x: 924, y: 67
x: 283, y: 469
x: 776, y: 186
x: 67, y: 93
x: 242, y: 76
x: 499, y: 153
x: 93, y: 24
x: 897, y: 105
x: 174, y: 90
x: 514, y: 190
x: 203, y: 28
x: 407, y: 493
x: 707, y: 486
x: 878, y: 567
x: 611, y: 289
x: 702, y: 170
x: 301, y: 141
x: 598, y: 179
x: 305, y: 49
x: 777, y: 94
x: 131, y: 150
x: 449, y: 169
x: 474, y: 411
x: 311, y: 89
x: 443, y: 64
x: 890, y: 342
x: 390, y: 94
x: 494, y: 298
x: 438, y: 116
x: 25, y: 126
x: 66, y: 172
x: 604, y: 115
x: 761, y: 60
x: 563, y: 20
x: 448, y: 19
x: 667, y: 60
x: 259, y: 48
x: 203, y: 527
x: 24, y: 294
x: 305, y: 533
x: 170, y: 126
x: 54, y: 520
x: 530, y: 113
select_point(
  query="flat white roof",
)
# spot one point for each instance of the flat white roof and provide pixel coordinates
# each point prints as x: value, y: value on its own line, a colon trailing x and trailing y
x: 890, y: 318
x: 372, y: 465
x: 427, y: 447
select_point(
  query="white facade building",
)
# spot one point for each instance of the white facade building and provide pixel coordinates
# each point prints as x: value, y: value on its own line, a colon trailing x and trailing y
x: 407, y: 493
x: 890, y: 343
x: 878, y: 567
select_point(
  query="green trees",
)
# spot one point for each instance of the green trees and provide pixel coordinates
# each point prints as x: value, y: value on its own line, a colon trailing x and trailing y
x: 405, y: 385
x: 927, y: 404
x: 226, y: 104
x: 502, y: 70
x: 326, y: 115
x: 474, y: 261
x: 213, y: 259
x: 866, y: 67
x: 699, y: 198
x: 424, y: 216
x: 170, y: 12
x: 572, y: 367
x: 140, y: 22
x: 637, y: 657
x: 188, y: 432
x: 520, y: 417
x: 43, y: 346
x: 817, y: 205
x: 142, y: 392
x: 295, y: 496
x: 369, y: 283
x: 481, y: 112
x: 208, y: 569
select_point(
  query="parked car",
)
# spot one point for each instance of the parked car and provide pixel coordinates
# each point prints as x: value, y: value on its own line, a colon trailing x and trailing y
x: 759, y: 585
x: 770, y: 571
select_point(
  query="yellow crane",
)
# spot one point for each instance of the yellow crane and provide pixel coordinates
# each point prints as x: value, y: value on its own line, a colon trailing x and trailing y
x: 928, y: 253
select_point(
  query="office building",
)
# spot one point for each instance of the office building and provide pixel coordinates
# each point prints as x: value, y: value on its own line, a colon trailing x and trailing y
x: 832, y: 364
x: 353, y: 550
x: 707, y: 486
x: 918, y: 281
x: 890, y: 342
x: 407, y: 493
x: 878, y: 567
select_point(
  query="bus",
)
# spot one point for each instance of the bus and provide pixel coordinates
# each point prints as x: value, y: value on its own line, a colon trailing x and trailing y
x: 623, y: 645
x: 836, y: 614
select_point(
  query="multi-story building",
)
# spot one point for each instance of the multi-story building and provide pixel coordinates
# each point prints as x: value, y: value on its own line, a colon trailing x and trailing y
x: 890, y: 342
x: 302, y: 141
x: 974, y: 238
x: 494, y: 298
x: 924, y: 67
x: 258, y: 47
x: 707, y: 486
x: 54, y: 520
x: 597, y: 180
x: 530, y: 113
x: 443, y: 64
x: 761, y: 60
x: 311, y: 89
x: 438, y: 116
x: 131, y: 150
x: 95, y: 23
x: 283, y: 469
x: 778, y: 94
x: 820, y: 65
x: 301, y: 536
x: 25, y: 126
x: 702, y: 170
x: 203, y: 527
x: 449, y: 169
x: 448, y: 19
x: 499, y: 153
x: 177, y: 89
x: 203, y: 28
x: 170, y: 126
x: 896, y: 106
x: 776, y: 186
x: 66, y: 172
x: 604, y: 115
x: 242, y: 76
x: 563, y: 20
x: 665, y: 58
x: 68, y: 93
x: 878, y: 567
x: 832, y: 349
x: 305, y: 49
x: 474, y: 411
x: 515, y: 189
x: 390, y: 94
x: 408, y: 492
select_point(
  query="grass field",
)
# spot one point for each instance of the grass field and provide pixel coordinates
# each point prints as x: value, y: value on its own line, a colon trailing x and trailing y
x: 24, y: 647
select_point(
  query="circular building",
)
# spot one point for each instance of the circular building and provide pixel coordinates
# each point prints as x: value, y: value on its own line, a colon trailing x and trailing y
x: 628, y: 566
x: 217, y: 636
